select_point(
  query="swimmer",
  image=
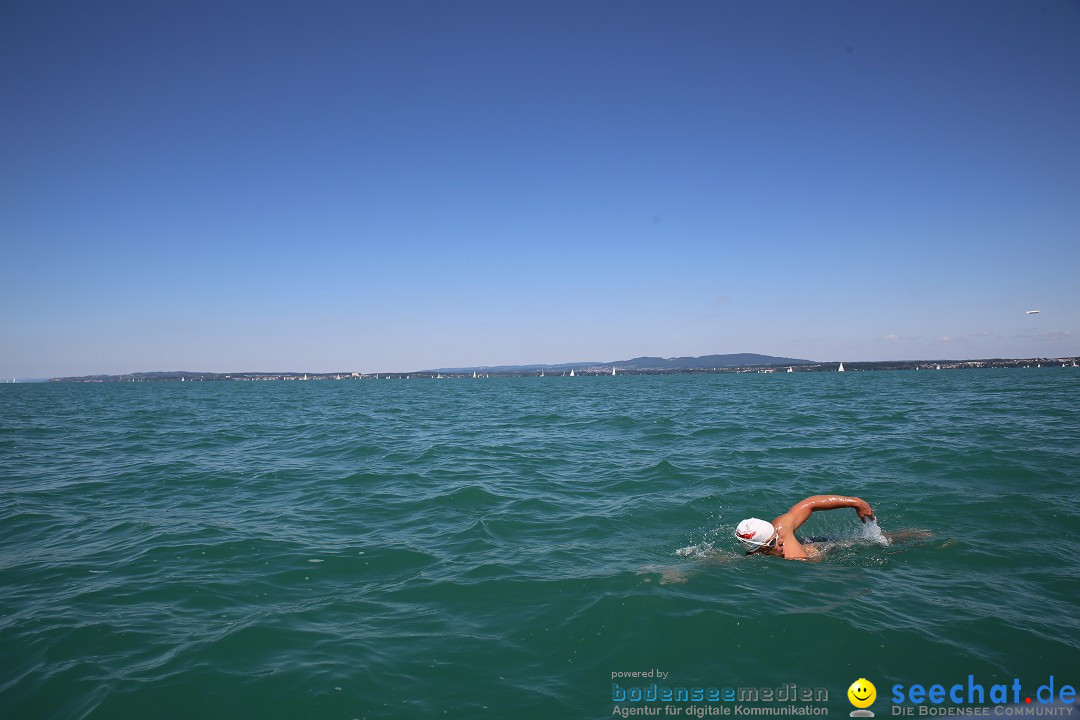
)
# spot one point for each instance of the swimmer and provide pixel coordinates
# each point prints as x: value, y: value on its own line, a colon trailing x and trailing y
x: 778, y: 537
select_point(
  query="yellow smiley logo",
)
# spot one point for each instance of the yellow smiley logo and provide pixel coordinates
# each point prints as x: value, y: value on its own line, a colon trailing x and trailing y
x: 862, y: 693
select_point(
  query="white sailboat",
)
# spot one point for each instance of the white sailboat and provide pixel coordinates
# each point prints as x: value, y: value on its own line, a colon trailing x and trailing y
x: 791, y: 369
x: 541, y: 372
x: 571, y: 373
x: 612, y: 371
x: 841, y: 368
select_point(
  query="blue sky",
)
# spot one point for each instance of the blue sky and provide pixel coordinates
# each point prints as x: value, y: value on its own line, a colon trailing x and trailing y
x: 391, y: 186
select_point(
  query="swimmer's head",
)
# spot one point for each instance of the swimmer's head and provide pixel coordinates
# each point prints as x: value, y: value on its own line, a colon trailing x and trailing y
x: 755, y: 534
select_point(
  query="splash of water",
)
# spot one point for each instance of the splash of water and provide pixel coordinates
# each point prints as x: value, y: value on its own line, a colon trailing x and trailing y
x: 872, y: 533
x: 700, y: 550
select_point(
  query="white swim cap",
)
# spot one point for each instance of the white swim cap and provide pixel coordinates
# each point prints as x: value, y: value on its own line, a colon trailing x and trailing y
x: 754, y: 533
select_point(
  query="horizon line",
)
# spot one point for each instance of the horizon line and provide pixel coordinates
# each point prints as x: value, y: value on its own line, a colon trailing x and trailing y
x: 508, y: 369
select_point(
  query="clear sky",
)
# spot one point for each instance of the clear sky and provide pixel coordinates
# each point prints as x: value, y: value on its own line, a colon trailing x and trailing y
x: 392, y: 185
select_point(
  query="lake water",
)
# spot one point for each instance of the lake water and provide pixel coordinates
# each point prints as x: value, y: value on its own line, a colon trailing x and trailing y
x: 499, y: 548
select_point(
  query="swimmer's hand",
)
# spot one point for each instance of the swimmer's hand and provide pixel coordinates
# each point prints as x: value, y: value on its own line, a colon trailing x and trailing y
x: 863, y: 510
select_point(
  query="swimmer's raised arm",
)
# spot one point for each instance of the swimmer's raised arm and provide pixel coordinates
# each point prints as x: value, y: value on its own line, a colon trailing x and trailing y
x: 801, y: 511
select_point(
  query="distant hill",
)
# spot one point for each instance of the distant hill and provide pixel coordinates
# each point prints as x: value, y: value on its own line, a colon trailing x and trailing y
x: 705, y: 362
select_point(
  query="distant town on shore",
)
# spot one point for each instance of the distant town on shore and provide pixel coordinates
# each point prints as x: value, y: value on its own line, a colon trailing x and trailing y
x: 733, y: 363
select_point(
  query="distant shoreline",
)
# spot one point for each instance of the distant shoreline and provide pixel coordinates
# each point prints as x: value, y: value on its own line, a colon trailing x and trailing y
x: 581, y: 370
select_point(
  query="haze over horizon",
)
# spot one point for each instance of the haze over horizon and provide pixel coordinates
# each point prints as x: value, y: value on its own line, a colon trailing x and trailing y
x: 384, y: 187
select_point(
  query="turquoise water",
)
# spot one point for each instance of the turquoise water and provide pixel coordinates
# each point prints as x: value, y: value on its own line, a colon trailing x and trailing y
x: 499, y: 547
